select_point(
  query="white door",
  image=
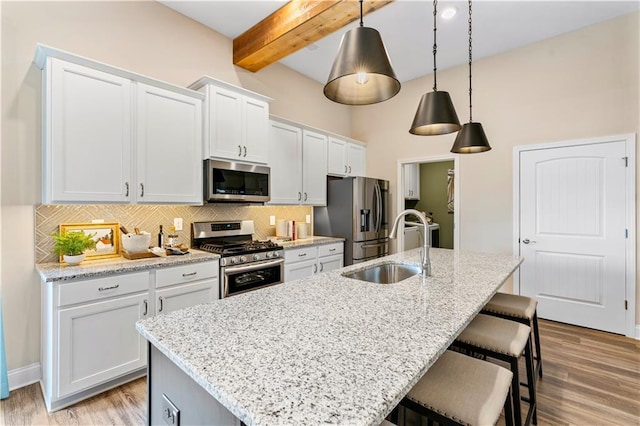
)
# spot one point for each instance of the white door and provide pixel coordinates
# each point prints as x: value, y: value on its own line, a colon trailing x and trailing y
x: 314, y: 168
x: 572, y: 233
x: 337, y: 157
x: 255, y: 125
x: 285, y: 154
x: 186, y: 295
x: 225, y: 123
x: 168, y: 147
x: 356, y: 160
x: 298, y: 270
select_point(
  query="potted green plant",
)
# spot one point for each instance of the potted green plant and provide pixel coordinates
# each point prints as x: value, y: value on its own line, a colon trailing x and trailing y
x: 72, y: 244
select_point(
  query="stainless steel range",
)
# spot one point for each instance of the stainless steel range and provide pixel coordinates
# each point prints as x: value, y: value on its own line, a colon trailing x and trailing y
x: 245, y: 264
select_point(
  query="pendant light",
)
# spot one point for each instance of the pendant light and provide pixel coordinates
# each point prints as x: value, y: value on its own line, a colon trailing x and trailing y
x: 436, y: 114
x: 361, y: 73
x: 471, y: 139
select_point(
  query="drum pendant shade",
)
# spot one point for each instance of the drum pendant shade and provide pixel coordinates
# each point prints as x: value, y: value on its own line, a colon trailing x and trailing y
x: 361, y: 73
x: 471, y: 140
x: 435, y: 115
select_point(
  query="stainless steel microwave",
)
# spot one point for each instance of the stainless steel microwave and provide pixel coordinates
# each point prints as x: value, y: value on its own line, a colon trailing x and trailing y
x: 226, y: 181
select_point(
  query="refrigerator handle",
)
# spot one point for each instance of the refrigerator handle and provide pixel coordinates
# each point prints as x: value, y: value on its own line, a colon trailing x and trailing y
x: 378, y: 204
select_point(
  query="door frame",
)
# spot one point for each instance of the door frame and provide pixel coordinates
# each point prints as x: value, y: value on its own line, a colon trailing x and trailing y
x: 456, y: 189
x: 630, y: 214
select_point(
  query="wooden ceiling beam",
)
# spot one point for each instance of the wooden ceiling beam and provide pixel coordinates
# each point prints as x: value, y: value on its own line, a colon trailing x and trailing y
x: 295, y: 25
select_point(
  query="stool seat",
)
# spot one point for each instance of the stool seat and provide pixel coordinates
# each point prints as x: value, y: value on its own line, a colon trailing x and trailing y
x: 512, y: 305
x: 464, y: 389
x: 496, y: 334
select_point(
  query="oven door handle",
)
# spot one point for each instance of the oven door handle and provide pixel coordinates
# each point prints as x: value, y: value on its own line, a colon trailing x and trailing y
x: 251, y: 267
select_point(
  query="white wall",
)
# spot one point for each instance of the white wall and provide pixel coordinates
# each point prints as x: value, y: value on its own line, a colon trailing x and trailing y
x: 145, y: 37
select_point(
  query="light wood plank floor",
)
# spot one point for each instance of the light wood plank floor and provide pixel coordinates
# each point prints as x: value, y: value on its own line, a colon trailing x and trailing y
x: 590, y: 378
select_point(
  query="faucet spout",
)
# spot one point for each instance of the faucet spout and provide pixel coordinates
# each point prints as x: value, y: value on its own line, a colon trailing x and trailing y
x: 426, y: 261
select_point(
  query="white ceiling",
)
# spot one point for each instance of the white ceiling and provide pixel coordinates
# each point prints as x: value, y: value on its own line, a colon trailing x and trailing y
x: 407, y: 28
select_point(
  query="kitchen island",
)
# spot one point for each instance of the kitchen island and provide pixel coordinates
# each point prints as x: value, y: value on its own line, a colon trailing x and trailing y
x: 323, y: 349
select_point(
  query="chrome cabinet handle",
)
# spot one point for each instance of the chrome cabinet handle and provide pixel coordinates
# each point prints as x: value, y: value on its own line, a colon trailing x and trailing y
x: 144, y: 314
x: 126, y: 185
x: 239, y: 151
x: 113, y: 287
x: 189, y: 274
x: 332, y: 249
x: 345, y: 168
x: 245, y: 151
x: 302, y: 254
x: 349, y: 169
x: 527, y: 241
x: 161, y: 300
x: 321, y: 267
x: 315, y: 268
x: 141, y: 190
x: 305, y: 196
x: 299, y: 196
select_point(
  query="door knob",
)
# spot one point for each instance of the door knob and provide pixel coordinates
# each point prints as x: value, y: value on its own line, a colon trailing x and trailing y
x: 527, y: 241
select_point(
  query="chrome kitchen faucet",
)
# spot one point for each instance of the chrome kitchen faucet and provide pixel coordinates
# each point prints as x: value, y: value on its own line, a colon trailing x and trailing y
x: 426, y: 262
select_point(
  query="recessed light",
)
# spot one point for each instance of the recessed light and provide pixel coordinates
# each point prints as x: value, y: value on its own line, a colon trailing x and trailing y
x: 449, y: 12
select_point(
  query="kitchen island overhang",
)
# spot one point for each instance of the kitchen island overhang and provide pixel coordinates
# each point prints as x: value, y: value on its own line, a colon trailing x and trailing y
x: 324, y: 349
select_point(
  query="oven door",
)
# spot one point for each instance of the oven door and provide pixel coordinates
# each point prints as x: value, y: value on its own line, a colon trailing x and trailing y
x: 242, y: 278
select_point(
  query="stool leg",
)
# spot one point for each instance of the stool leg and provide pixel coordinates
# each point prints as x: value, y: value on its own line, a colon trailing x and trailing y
x: 531, y: 380
x: 508, y: 410
x: 536, y: 336
x: 515, y: 388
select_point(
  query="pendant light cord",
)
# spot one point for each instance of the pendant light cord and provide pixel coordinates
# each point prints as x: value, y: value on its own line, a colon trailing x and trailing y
x: 435, y: 45
x: 361, y: 24
x: 470, y: 60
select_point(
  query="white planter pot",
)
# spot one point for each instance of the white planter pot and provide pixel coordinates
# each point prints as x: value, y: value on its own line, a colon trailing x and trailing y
x: 73, y: 260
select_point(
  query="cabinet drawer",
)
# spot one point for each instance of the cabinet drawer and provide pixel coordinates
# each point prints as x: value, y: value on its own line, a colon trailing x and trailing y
x: 102, y: 288
x: 186, y: 273
x: 330, y: 249
x: 297, y: 255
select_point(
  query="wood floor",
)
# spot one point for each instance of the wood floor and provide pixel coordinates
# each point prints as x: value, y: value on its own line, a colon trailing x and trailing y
x: 590, y: 378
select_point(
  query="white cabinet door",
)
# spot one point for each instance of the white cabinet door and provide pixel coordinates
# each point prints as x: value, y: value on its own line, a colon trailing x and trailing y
x: 99, y: 341
x: 314, y: 168
x: 411, y: 181
x: 87, y: 128
x: 329, y: 263
x: 285, y: 161
x: 255, y: 138
x: 225, y: 123
x: 185, y: 295
x: 168, y: 147
x: 337, y: 157
x: 356, y: 160
x: 297, y: 270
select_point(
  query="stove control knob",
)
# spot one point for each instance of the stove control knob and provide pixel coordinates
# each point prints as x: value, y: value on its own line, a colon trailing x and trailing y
x: 276, y: 254
x: 256, y: 257
x: 269, y: 255
x: 243, y: 259
x: 233, y: 260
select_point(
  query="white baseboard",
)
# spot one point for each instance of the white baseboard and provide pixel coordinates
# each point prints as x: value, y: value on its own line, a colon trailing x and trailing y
x: 23, y: 376
x: 637, y: 331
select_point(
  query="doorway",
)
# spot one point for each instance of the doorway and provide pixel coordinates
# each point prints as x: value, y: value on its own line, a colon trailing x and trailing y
x: 574, y: 215
x: 429, y: 185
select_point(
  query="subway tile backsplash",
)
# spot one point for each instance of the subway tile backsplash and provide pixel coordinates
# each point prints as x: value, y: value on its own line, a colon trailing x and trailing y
x: 148, y: 218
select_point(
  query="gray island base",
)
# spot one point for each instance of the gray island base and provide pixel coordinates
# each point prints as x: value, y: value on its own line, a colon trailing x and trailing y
x: 321, y: 350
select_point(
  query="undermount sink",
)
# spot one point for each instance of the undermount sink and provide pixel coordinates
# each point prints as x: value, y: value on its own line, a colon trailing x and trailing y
x: 385, y: 273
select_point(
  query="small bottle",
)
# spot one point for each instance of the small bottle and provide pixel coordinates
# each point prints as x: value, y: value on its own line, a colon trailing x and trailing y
x: 172, y: 238
x: 161, y: 238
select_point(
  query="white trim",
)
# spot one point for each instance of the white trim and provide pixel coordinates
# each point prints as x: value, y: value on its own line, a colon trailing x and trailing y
x: 630, y: 273
x: 637, y: 336
x: 456, y: 190
x: 24, y: 376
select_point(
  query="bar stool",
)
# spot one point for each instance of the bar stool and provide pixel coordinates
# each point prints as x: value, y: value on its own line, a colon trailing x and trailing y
x: 506, y: 341
x: 461, y: 390
x: 518, y: 308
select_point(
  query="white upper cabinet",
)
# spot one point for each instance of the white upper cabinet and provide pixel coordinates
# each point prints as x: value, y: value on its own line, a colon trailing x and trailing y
x: 411, y: 181
x: 236, y: 122
x: 112, y: 136
x: 87, y: 135
x: 298, y: 162
x: 345, y: 158
x: 169, y: 147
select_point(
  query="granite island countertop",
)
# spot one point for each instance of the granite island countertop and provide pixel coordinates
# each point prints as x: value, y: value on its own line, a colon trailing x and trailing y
x: 315, y: 240
x: 326, y: 348
x: 54, y: 271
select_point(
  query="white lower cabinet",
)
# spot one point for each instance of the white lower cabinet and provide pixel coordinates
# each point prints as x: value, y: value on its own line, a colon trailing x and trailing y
x: 89, y: 339
x: 306, y: 261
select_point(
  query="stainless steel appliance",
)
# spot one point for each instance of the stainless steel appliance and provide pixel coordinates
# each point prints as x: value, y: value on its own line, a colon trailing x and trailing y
x: 225, y: 181
x: 245, y: 264
x: 357, y: 210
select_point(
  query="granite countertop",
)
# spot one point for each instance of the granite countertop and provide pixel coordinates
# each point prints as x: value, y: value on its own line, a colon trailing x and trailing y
x: 54, y: 271
x: 311, y: 241
x: 326, y: 348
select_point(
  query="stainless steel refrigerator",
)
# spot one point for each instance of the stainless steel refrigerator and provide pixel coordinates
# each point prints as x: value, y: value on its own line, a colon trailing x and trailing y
x: 357, y: 210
